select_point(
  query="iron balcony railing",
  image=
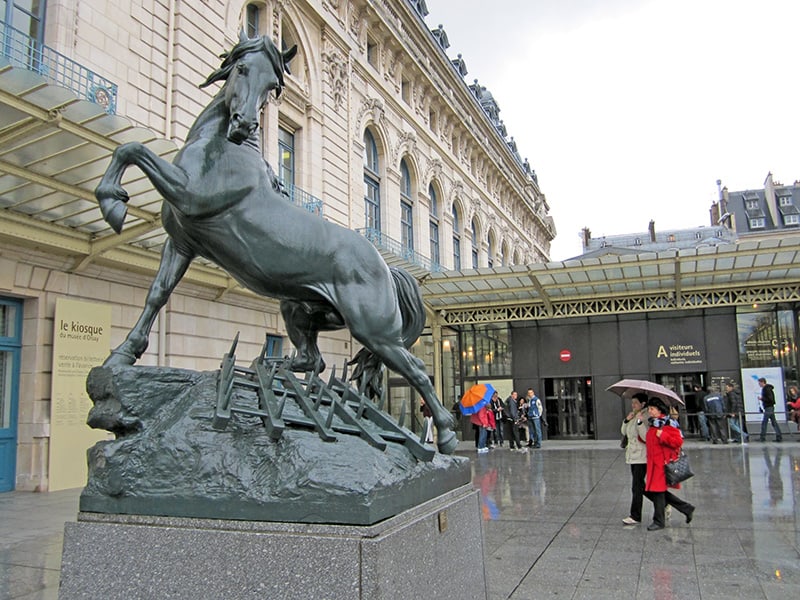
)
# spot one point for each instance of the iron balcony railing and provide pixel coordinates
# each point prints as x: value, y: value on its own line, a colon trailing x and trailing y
x: 21, y: 50
x: 302, y: 198
x: 383, y: 242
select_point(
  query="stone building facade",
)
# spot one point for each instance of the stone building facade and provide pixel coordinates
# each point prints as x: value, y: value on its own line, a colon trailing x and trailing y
x: 376, y: 122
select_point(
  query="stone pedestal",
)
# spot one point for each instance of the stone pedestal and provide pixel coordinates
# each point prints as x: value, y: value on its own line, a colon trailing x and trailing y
x: 434, y: 550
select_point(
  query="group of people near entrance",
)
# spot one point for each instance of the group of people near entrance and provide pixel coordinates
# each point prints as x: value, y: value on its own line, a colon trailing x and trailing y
x: 654, y: 438
x: 510, y: 420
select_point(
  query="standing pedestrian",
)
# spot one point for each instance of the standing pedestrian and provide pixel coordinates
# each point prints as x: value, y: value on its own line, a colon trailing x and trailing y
x: 635, y: 428
x: 664, y: 442
x: 715, y: 414
x: 534, y: 415
x: 512, y: 414
x: 480, y: 420
x: 498, y: 410
x: 427, y: 420
x: 768, y: 405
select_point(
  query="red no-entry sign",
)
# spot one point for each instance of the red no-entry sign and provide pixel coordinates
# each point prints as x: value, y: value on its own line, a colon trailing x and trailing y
x: 565, y: 355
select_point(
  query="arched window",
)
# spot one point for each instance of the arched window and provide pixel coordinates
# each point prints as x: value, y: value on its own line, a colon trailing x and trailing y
x: 406, y: 209
x: 474, y: 244
x: 456, y: 240
x: 372, y: 184
x: 490, y: 246
x: 433, y: 226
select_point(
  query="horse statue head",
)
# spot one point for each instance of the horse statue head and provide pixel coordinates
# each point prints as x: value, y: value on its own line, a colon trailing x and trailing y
x: 252, y: 69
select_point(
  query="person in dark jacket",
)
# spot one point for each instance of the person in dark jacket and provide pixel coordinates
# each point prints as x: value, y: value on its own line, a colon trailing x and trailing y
x: 664, y: 441
x: 715, y: 414
x: 735, y: 412
x: 512, y: 414
x: 768, y: 404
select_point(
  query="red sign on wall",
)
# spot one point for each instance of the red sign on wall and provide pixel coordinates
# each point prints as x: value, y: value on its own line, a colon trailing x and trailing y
x: 565, y: 355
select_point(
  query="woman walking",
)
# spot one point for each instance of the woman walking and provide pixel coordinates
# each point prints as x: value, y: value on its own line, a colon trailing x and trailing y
x: 635, y: 428
x: 664, y: 442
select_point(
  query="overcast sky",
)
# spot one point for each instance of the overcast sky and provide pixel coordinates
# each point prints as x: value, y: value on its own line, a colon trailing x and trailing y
x: 630, y: 110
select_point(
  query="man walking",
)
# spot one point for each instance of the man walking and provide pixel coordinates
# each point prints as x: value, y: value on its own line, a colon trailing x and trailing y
x: 534, y: 419
x: 768, y: 404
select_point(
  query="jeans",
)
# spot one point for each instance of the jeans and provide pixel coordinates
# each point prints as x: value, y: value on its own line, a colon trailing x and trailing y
x: 482, y: 431
x: 497, y: 434
x: 535, y: 432
x: 769, y: 415
x: 736, y: 429
x: 701, y: 418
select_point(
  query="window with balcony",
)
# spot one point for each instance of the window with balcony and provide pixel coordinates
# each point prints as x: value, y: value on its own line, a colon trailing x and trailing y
x: 433, y: 225
x: 27, y: 17
x: 286, y: 154
x: 372, y: 184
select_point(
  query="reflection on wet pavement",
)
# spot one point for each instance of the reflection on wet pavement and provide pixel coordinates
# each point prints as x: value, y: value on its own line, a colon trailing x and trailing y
x: 553, y: 525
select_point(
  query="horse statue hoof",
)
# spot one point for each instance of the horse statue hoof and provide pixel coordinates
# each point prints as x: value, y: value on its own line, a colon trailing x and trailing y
x: 447, y: 441
x: 114, y: 211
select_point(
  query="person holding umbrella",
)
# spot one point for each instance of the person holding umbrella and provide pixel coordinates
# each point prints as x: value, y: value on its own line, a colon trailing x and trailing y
x: 635, y: 428
x: 475, y: 402
x: 664, y: 441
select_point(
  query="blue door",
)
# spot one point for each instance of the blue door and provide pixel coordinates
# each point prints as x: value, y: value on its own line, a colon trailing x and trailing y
x: 10, y: 350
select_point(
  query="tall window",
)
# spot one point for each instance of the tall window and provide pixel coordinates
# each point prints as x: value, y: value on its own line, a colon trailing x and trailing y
x: 372, y: 183
x: 474, y: 245
x: 406, y: 209
x: 286, y: 153
x: 26, y: 16
x: 253, y: 17
x: 490, y: 245
x: 456, y: 240
x: 433, y: 227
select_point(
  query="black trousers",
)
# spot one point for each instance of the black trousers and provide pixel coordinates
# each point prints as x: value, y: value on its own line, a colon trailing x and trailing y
x: 513, y: 435
x: 638, y: 473
x: 660, y: 501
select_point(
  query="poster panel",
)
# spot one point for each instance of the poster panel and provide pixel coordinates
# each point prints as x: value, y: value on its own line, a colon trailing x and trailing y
x: 751, y: 391
x: 81, y: 340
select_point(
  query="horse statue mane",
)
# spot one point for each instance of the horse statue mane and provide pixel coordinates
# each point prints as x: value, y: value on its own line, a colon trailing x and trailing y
x: 280, y: 60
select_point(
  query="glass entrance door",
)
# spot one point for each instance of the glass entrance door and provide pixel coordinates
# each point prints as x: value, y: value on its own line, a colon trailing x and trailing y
x: 10, y: 347
x: 569, y: 408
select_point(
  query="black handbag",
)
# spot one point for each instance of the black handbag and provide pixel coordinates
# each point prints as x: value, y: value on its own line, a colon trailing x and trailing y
x: 623, y: 442
x: 678, y: 470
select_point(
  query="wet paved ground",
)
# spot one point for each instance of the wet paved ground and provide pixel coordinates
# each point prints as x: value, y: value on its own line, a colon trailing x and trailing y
x: 553, y: 527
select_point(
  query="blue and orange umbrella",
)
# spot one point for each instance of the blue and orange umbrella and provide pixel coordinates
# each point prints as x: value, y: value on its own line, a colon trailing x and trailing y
x: 475, y: 398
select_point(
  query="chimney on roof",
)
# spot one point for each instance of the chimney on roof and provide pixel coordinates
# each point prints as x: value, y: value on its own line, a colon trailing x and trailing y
x: 586, y: 233
x: 715, y: 214
x: 652, y: 229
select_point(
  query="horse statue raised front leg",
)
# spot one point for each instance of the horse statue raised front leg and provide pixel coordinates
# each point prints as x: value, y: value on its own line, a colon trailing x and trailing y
x: 221, y: 203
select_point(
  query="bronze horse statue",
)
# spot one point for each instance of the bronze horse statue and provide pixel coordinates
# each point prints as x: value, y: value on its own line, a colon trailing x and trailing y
x: 222, y: 202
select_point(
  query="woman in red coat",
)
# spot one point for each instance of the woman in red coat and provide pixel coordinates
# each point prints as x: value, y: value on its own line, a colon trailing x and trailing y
x: 664, y: 442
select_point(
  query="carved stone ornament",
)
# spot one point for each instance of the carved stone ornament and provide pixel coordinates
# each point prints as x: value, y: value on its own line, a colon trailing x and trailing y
x: 372, y: 107
x: 406, y: 139
x: 336, y: 68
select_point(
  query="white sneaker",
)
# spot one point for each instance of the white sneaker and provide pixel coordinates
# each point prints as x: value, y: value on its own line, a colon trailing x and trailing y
x: 630, y: 521
x: 483, y: 450
x: 668, y: 511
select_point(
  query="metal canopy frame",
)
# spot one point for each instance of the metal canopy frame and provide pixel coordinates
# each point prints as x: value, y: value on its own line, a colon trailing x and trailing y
x: 765, y: 271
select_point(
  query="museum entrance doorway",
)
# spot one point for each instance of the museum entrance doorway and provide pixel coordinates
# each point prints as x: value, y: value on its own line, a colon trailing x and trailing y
x: 569, y: 408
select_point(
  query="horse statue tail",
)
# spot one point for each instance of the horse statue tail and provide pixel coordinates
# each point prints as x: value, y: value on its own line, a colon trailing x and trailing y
x: 368, y: 370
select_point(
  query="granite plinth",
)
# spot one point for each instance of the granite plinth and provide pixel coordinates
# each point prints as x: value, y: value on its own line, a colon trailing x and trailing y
x: 435, y: 549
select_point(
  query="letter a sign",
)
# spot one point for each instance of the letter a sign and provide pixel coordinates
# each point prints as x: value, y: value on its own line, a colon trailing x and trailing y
x: 662, y: 352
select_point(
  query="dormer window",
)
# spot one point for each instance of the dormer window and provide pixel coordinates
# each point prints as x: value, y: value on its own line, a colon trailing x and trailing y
x: 784, y: 201
x: 758, y: 223
x: 751, y: 204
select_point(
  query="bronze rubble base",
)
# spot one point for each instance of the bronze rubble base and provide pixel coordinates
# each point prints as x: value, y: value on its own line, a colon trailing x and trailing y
x: 168, y: 460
